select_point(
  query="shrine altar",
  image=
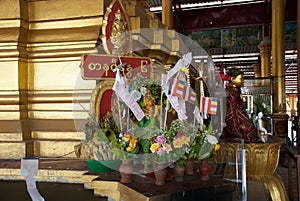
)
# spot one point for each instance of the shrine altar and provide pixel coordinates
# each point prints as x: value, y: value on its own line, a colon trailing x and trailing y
x: 261, y: 164
x: 144, y: 189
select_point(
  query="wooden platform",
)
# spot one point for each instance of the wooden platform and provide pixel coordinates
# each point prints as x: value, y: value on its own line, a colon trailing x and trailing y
x: 144, y: 189
x: 66, y: 170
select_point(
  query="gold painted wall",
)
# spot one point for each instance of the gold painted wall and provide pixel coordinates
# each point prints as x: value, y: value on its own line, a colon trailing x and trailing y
x: 41, y: 44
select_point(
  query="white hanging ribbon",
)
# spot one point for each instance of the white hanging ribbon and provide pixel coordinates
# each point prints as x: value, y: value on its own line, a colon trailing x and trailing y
x: 176, y: 105
x: 172, y: 99
x: 29, y: 168
x: 198, y: 117
x: 123, y: 93
x: 185, y: 61
x: 118, y: 77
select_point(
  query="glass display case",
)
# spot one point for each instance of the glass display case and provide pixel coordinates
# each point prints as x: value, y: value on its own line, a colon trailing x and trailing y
x: 257, y: 95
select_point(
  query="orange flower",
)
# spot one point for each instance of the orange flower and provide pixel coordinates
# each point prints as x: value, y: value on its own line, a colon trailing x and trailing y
x: 167, y: 147
x: 178, y: 143
x: 185, y: 140
x: 127, y: 137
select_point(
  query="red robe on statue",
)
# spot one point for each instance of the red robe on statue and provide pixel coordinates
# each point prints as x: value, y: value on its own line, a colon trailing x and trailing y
x: 238, y: 125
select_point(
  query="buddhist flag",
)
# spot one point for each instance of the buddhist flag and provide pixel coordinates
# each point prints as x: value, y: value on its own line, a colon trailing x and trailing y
x: 204, y: 101
x: 212, y: 106
x: 179, y: 89
x: 190, y: 95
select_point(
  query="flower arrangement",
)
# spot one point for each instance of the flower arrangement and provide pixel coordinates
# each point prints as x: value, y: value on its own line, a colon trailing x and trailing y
x: 173, y: 144
x: 160, y: 147
x: 161, y: 133
x: 125, y: 145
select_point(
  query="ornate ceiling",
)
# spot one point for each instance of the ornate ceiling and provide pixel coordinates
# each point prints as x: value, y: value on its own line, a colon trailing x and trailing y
x: 195, y: 15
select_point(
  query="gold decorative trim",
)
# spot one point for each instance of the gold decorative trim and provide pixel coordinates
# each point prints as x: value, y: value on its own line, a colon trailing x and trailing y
x: 97, y: 96
x: 107, y: 29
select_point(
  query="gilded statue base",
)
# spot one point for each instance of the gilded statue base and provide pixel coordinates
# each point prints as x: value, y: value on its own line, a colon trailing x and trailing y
x: 261, y: 164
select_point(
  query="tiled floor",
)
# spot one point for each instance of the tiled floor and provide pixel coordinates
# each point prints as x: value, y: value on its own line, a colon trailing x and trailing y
x: 283, y: 172
x: 16, y: 191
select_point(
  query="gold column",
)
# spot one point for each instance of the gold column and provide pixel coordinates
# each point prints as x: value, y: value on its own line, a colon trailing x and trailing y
x: 24, y: 75
x: 298, y: 66
x: 292, y: 101
x: 265, y: 55
x: 167, y: 13
x: 257, y: 70
x: 278, y: 69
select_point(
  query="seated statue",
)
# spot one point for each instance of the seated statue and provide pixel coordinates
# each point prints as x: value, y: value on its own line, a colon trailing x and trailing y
x: 238, y: 125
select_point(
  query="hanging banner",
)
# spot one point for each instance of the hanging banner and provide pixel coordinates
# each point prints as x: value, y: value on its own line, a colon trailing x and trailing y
x: 123, y: 93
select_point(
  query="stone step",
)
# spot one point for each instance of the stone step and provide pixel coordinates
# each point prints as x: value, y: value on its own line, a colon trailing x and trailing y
x: 67, y: 170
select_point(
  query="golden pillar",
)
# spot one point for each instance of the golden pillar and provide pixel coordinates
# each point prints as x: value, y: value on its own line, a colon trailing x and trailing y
x: 257, y: 70
x: 292, y: 103
x: 167, y: 13
x: 298, y: 64
x: 24, y: 81
x: 278, y: 69
x: 265, y: 55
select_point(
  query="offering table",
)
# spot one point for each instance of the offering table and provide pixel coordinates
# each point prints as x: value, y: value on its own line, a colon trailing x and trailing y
x: 144, y: 189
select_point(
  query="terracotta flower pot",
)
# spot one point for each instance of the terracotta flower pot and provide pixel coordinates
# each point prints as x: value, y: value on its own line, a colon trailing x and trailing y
x: 204, y: 169
x: 189, y: 166
x: 160, y: 173
x: 179, y: 172
x: 126, y: 169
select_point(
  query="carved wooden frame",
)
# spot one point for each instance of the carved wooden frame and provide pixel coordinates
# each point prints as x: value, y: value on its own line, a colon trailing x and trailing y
x: 97, y: 95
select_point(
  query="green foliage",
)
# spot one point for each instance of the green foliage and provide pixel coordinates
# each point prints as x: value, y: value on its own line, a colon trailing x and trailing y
x: 181, y: 160
x: 196, y: 146
x: 262, y: 106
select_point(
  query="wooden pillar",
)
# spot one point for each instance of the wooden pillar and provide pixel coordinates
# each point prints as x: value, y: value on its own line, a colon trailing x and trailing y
x: 280, y: 118
x: 167, y: 13
x: 265, y: 55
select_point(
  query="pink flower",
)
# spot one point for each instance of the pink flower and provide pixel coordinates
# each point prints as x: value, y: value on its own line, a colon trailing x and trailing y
x: 160, y: 139
x: 179, y: 134
x: 160, y: 151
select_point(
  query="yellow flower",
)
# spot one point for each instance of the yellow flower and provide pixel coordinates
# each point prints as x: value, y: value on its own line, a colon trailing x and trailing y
x: 178, y: 143
x: 131, y: 147
x: 154, y: 147
x: 217, y: 147
x: 133, y: 140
